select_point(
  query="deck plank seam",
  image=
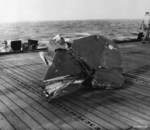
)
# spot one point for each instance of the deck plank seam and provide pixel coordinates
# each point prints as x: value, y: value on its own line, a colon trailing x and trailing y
x: 96, y: 114
x: 138, y: 100
x: 98, y: 97
x: 106, y: 107
x: 41, y: 104
x: 23, y: 110
x: 14, y: 114
x: 34, y: 107
x: 36, y: 73
x: 8, y: 120
x: 28, y: 86
x: 81, y: 117
x: 16, y: 66
x: 112, y: 104
x: 22, y: 75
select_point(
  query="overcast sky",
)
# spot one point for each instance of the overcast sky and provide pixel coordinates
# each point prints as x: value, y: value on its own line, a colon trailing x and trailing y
x: 35, y: 10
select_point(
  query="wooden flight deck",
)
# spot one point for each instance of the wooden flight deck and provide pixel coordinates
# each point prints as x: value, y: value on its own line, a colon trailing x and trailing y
x: 23, y: 107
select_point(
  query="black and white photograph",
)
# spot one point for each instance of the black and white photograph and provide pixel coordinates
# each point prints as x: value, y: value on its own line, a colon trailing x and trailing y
x: 74, y: 64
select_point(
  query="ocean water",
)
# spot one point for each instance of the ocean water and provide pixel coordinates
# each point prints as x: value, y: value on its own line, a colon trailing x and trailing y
x: 44, y: 30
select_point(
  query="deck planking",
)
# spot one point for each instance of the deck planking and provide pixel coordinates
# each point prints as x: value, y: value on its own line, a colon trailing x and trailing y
x: 22, y: 105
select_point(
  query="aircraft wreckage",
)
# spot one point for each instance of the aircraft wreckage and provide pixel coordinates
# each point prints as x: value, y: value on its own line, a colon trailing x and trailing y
x: 93, y: 62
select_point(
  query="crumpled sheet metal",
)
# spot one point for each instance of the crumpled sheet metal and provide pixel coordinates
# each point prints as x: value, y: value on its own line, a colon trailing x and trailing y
x: 97, y: 51
x: 93, y: 53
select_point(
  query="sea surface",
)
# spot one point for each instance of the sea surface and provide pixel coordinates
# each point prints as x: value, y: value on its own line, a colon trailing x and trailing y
x: 44, y: 30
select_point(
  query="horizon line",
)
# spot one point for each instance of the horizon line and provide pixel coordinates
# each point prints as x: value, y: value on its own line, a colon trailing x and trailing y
x: 63, y: 20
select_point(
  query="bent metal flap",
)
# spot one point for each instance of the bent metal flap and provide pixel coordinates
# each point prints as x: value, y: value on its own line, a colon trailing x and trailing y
x: 63, y: 75
x: 97, y: 51
x: 102, y: 55
x: 64, y: 63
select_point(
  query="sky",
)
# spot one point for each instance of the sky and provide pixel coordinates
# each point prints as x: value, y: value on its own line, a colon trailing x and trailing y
x: 41, y: 10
